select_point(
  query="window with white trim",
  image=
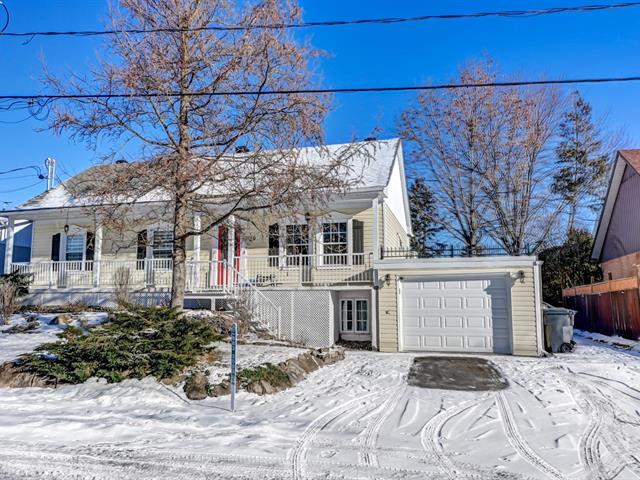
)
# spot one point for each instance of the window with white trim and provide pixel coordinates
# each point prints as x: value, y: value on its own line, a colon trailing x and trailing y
x: 162, y: 246
x: 75, y: 248
x: 354, y: 315
x: 297, y: 244
x: 335, y: 243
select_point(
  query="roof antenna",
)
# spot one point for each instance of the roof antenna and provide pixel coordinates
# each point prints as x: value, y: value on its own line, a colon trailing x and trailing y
x: 50, y: 163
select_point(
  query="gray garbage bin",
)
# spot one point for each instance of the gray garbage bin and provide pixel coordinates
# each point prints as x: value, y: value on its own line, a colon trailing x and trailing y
x: 558, y: 329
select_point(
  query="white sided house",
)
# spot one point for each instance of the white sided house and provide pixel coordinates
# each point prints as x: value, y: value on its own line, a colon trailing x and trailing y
x: 314, y: 279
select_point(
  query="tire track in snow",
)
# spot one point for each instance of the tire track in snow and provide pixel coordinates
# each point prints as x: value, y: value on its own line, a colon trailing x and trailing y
x: 519, y: 444
x: 431, y: 435
x: 602, y: 414
x: 299, y: 454
x: 161, y: 464
x: 369, y: 456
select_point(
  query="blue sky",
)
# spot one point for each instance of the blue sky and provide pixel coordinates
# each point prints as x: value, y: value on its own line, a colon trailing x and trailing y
x: 562, y: 46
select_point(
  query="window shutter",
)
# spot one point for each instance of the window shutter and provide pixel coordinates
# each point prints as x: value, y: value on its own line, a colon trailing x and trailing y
x: 141, y: 253
x: 274, y: 245
x: 358, y: 242
x: 90, y: 247
x: 55, y: 247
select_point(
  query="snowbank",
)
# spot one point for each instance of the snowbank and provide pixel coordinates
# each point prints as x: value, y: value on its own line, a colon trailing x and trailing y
x: 15, y: 344
x: 249, y: 356
x: 615, y: 341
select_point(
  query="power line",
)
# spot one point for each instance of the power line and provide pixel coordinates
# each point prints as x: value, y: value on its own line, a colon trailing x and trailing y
x: 3, y: 26
x: 407, y: 88
x: 29, y: 167
x: 335, y: 23
x: 39, y: 182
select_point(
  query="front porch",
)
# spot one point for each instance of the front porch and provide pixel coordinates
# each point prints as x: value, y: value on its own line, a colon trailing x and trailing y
x: 204, y: 276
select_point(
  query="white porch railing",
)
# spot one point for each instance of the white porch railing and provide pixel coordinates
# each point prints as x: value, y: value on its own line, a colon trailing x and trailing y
x: 256, y: 303
x: 259, y: 272
x: 309, y: 270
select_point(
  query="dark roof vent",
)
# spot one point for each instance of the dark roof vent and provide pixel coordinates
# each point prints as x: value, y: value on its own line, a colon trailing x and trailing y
x: 242, y: 149
x: 120, y: 162
x: 370, y: 139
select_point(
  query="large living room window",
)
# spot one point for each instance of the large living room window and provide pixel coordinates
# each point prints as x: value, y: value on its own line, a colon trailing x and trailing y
x: 355, y: 315
x: 335, y: 243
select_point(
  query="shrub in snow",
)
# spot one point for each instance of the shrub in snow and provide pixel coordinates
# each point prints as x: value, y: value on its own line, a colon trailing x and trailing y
x: 12, y: 287
x: 133, y: 344
x: 122, y: 285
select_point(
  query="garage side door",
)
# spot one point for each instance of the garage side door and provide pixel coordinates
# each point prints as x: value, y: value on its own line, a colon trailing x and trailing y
x: 457, y: 314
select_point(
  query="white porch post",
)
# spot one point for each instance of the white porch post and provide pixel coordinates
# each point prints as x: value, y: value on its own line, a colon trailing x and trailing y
x: 373, y: 316
x: 197, y: 244
x: 8, y: 250
x: 97, y: 255
x: 376, y: 229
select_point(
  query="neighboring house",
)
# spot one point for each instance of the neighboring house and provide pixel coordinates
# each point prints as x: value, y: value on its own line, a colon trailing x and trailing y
x: 617, y: 240
x: 21, y: 243
x: 312, y: 281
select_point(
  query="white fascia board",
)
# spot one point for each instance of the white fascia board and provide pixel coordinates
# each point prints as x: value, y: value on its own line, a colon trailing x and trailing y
x: 602, y: 227
x: 397, y: 187
x: 405, y: 193
x: 455, y: 263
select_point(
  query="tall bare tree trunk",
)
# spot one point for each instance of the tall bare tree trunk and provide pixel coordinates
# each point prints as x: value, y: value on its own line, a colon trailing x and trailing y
x: 180, y: 228
x: 181, y: 209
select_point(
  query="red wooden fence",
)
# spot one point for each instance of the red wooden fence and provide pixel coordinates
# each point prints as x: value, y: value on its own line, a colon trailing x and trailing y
x: 610, y: 308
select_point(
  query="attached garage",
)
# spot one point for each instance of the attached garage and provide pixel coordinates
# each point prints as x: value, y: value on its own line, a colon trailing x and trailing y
x: 456, y: 313
x: 467, y: 305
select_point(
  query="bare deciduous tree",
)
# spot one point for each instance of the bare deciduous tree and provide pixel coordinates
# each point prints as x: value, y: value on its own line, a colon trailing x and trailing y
x: 485, y: 150
x: 443, y: 128
x: 188, y: 130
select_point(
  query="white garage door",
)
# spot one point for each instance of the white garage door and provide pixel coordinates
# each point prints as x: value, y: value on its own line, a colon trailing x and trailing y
x: 458, y: 314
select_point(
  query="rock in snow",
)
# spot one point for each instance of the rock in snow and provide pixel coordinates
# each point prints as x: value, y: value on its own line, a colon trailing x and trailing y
x: 197, y: 386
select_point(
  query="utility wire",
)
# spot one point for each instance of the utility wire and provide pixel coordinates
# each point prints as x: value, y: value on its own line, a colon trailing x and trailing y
x: 34, y: 167
x: 222, y: 93
x: 39, y: 182
x: 3, y: 26
x: 335, y: 23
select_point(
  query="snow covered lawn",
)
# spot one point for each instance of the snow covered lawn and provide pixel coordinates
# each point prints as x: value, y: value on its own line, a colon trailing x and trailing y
x: 15, y: 344
x: 573, y: 416
x: 249, y: 356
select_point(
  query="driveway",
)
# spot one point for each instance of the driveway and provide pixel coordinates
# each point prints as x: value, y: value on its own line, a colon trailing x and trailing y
x: 573, y: 416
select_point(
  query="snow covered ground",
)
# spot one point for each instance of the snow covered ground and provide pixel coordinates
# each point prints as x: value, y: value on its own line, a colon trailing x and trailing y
x: 14, y: 345
x: 249, y: 356
x: 632, y: 346
x: 573, y: 416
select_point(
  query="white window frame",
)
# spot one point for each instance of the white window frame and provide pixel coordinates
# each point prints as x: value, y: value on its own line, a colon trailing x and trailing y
x: 62, y: 254
x: 324, y: 256
x: 151, y: 231
x: 284, y: 256
x: 153, y: 244
x: 316, y: 240
x: 336, y: 217
x: 354, y: 302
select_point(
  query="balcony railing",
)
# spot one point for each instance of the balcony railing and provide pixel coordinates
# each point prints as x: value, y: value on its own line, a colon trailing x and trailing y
x: 286, y: 271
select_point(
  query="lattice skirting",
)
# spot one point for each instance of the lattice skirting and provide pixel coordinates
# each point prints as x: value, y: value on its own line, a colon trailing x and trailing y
x: 307, y: 316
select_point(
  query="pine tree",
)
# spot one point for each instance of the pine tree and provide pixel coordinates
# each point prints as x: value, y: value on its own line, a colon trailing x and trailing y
x: 424, y: 217
x: 568, y: 265
x: 581, y: 160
